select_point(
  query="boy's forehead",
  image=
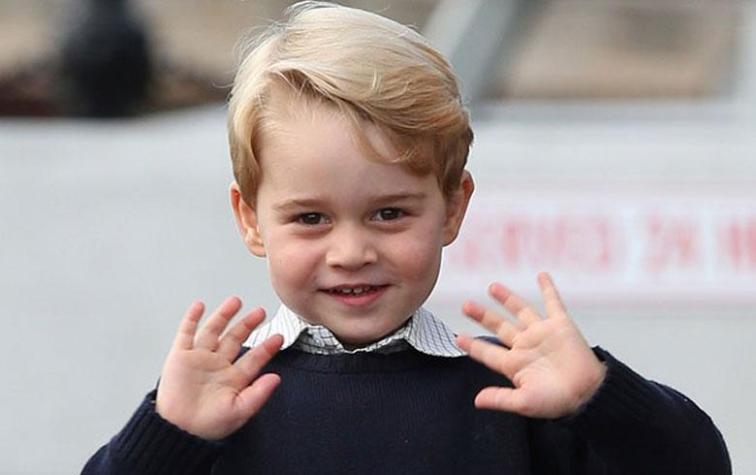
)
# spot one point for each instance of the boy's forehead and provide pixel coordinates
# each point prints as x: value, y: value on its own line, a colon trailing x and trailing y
x: 318, y: 158
x: 300, y: 130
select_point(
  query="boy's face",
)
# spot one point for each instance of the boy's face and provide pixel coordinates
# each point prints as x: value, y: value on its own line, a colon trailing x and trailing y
x: 352, y: 244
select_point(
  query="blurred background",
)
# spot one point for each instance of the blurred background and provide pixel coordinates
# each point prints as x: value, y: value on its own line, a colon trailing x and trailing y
x: 614, y: 147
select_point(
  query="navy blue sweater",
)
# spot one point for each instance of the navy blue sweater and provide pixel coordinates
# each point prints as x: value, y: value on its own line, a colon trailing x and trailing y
x: 412, y: 413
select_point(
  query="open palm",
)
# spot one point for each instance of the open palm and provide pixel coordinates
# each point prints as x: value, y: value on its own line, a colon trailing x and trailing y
x: 204, y: 389
x: 548, y: 361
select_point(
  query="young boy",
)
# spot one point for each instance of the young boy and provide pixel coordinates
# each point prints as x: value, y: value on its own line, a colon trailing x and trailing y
x: 349, y: 142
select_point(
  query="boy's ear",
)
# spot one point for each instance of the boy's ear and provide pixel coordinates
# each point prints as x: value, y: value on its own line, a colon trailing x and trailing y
x: 456, y: 207
x: 246, y: 221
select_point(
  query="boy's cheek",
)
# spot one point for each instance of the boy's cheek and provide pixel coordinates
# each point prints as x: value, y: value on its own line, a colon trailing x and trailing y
x: 292, y: 264
x: 285, y: 266
x: 419, y: 260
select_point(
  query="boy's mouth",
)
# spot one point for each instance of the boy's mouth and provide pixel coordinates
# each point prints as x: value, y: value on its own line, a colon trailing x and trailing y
x: 353, y: 290
x: 356, y: 295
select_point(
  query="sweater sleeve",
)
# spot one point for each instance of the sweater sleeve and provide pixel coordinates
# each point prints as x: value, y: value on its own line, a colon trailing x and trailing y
x: 149, y: 444
x: 633, y: 425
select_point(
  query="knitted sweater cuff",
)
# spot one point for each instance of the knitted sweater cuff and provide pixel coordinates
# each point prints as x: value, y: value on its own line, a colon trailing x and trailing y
x: 150, y: 444
x: 625, y: 399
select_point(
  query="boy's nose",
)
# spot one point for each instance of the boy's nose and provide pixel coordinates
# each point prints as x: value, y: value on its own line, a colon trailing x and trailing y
x: 350, y: 250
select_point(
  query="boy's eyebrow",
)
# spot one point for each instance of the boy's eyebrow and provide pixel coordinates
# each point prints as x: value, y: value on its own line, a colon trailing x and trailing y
x: 299, y: 203
x: 296, y: 203
x: 402, y: 196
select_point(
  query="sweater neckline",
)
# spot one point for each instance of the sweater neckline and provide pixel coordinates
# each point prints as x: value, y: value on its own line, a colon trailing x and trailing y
x: 360, y: 362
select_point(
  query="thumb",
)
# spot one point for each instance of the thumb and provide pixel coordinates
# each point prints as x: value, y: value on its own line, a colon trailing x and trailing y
x: 501, y: 399
x: 254, y: 396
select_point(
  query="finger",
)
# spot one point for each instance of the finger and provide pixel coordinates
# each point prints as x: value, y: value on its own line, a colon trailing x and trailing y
x: 551, y: 298
x: 256, y: 358
x: 491, y: 321
x: 514, y: 304
x: 493, y: 356
x: 464, y: 342
x: 231, y: 342
x: 254, y: 396
x: 188, y: 326
x: 208, y: 334
x: 501, y: 399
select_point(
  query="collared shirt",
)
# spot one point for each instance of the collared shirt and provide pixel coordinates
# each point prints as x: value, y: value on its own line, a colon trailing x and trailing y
x: 423, y: 332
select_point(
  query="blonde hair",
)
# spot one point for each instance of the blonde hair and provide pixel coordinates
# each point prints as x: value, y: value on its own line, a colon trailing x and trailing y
x: 370, y: 68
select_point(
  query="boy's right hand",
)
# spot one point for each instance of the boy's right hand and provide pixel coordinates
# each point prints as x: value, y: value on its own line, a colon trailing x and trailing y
x: 203, y: 388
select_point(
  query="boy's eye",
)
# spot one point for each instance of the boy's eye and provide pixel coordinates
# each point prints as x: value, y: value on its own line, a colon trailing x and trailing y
x: 388, y: 214
x: 311, y: 219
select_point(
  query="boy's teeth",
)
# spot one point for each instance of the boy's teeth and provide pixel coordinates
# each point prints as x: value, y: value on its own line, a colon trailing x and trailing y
x: 355, y: 291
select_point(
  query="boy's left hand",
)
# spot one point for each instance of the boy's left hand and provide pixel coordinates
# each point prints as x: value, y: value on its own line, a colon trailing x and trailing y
x: 548, y: 361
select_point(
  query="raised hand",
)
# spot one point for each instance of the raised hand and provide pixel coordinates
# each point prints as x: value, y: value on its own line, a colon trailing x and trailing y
x: 202, y: 389
x: 548, y: 361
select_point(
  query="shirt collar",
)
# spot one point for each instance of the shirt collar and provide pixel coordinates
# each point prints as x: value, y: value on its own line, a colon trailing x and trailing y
x: 423, y: 331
